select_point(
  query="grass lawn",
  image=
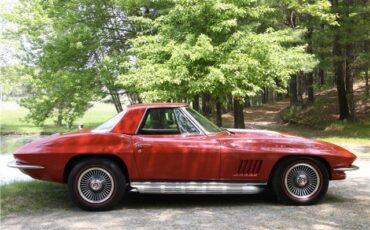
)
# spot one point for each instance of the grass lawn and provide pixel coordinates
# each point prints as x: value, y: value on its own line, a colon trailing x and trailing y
x: 337, y: 132
x: 13, y: 122
x: 26, y: 197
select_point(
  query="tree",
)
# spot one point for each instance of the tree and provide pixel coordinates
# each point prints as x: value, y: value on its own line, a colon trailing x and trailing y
x: 213, y: 47
x: 348, y: 49
x: 309, y: 15
x: 63, y: 41
x: 62, y: 95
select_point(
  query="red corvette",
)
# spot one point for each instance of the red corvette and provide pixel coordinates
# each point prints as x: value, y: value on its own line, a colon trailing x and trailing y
x: 170, y: 148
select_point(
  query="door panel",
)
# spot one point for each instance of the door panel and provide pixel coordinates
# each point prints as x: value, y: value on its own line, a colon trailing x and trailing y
x: 177, y: 157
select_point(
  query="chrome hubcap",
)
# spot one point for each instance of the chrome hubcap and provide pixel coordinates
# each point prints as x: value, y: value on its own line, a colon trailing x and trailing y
x: 95, y: 185
x: 302, y: 181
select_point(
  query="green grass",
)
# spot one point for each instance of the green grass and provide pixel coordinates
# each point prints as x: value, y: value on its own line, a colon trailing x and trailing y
x: 342, y: 131
x: 336, y: 132
x: 13, y: 122
x: 27, y: 197
x: 322, y: 117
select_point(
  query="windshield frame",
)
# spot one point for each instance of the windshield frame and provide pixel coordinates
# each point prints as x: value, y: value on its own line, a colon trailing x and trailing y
x: 197, y: 123
x: 114, y: 120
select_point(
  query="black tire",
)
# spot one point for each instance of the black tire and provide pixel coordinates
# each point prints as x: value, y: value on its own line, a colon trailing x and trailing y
x: 300, y: 181
x: 96, y: 184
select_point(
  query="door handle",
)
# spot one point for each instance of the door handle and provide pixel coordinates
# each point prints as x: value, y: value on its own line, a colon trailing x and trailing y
x: 141, y: 146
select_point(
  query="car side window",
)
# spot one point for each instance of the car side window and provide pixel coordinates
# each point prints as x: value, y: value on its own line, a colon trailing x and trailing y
x: 185, y: 125
x: 159, y: 121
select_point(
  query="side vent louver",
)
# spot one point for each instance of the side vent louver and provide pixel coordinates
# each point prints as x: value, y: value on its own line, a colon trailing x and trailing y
x: 249, y: 167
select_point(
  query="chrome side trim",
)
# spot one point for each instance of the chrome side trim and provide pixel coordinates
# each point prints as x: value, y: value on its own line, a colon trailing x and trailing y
x: 14, y: 164
x: 187, y: 115
x: 351, y: 168
x: 197, y: 187
x: 193, y: 120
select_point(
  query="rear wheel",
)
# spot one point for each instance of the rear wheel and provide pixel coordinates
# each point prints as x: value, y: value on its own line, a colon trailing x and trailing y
x: 96, y: 184
x: 300, y: 181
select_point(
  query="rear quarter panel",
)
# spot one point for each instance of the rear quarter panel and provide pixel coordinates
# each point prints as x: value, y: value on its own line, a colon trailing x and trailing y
x: 54, y: 152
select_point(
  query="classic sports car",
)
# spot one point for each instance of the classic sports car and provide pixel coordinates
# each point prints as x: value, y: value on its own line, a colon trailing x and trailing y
x: 171, y: 148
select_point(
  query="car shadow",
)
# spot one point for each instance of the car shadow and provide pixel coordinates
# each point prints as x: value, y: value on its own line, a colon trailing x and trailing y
x: 137, y: 200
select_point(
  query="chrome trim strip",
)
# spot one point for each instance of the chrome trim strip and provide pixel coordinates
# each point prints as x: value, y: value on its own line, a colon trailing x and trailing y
x: 351, y: 168
x: 193, y: 120
x: 13, y: 164
x: 197, y: 187
x: 188, y: 116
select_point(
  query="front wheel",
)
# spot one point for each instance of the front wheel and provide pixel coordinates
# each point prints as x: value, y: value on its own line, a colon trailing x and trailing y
x: 96, y: 184
x: 300, y: 181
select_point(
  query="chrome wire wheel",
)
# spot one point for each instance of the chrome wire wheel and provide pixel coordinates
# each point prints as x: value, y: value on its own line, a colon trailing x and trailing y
x: 95, y: 185
x: 302, y: 181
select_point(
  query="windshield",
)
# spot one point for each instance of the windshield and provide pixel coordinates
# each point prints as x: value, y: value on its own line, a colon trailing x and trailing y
x: 204, y: 122
x: 109, y: 125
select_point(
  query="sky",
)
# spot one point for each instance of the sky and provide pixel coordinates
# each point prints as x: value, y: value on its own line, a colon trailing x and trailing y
x: 8, y: 48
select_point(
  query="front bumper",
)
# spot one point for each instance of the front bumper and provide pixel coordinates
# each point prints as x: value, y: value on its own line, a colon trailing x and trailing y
x: 342, y: 169
x: 16, y: 164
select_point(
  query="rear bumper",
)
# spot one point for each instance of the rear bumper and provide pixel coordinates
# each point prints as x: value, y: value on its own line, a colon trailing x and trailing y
x: 16, y: 164
x: 343, y: 169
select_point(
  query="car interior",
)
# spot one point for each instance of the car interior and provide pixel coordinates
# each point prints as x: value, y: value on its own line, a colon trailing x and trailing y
x: 159, y: 121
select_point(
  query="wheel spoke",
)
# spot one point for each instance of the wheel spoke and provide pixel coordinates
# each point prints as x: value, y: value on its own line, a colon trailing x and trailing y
x: 95, y: 185
x: 302, y: 180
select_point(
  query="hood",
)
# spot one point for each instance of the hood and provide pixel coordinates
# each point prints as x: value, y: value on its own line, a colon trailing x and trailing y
x: 275, y: 141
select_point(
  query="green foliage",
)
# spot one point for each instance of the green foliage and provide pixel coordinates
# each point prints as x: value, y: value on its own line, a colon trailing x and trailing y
x: 15, y: 81
x: 77, y: 51
x: 72, y: 51
x: 218, y: 47
x: 63, y: 95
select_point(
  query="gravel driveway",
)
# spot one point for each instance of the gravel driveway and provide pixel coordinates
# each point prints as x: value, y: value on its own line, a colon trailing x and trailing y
x: 346, y: 206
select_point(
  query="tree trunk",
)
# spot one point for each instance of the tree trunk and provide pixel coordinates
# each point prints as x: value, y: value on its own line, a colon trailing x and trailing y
x: 300, y: 87
x: 349, y: 81
x: 293, y: 91
x: 265, y: 95
x: 321, y: 70
x: 309, y: 76
x: 59, y: 121
x: 309, y: 86
x: 196, y: 102
x: 238, y: 114
x: 321, y: 76
x: 229, y: 103
x: 134, y: 98
x: 206, y: 108
x: 366, y: 51
x: 349, y: 64
x: 219, y: 113
x: 116, y: 100
x: 339, y: 69
x: 367, y: 82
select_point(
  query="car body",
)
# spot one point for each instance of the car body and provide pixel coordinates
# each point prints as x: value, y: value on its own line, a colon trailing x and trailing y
x: 170, y: 148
